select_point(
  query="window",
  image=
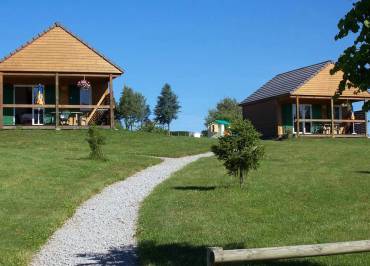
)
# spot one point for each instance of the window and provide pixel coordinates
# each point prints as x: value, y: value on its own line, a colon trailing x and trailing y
x: 338, y: 112
x: 85, y: 98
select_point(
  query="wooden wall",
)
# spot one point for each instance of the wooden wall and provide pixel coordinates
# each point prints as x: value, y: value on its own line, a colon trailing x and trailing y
x: 324, y: 84
x: 58, y: 51
x: 264, y: 117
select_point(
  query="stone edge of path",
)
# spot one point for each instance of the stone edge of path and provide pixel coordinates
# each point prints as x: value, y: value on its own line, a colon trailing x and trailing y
x: 102, y: 229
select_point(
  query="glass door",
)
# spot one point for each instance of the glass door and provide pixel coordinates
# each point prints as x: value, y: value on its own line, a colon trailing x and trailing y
x: 38, y: 112
x: 305, y: 112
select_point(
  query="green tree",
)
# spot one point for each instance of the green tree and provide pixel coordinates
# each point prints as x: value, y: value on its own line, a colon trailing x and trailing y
x: 142, y: 109
x: 132, y: 108
x: 126, y: 106
x: 241, y: 150
x: 355, y: 60
x: 226, y: 109
x: 167, y: 106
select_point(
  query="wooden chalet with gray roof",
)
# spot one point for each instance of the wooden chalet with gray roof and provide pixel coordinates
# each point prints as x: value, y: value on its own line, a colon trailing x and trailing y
x: 56, y: 81
x: 307, y: 91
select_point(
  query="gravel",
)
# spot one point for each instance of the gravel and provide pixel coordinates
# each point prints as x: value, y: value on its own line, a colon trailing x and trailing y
x: 102, y: 231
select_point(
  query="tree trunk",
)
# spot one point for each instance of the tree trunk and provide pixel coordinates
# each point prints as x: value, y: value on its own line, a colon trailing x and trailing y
x: 168, y: 128
x: 241, y: 178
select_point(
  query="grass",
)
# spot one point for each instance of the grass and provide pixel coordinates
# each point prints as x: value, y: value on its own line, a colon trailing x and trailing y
x: 45, y: 175
x: 306, y: 191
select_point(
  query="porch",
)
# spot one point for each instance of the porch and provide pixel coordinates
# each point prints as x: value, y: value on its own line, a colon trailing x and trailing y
x: 54, y: 100
x: 321, y: 116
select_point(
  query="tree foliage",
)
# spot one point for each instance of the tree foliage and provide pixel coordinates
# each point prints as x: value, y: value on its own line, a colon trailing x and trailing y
x: 241, y: 150
x: 132, y: 108
x: 355, y: 60
x: 167, y: 106
x: 95, y: 141
x: 226, y: 109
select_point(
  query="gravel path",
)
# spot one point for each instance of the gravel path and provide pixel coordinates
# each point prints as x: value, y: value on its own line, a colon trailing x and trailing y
x: 102, y: 231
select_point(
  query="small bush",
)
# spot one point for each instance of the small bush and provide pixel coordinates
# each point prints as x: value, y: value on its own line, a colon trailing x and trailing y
x: 151, y: 127
x: 241, y: 150
x: 95, y: 140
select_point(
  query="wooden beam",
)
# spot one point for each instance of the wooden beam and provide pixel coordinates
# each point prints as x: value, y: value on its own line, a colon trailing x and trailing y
x: 297, y: 113
x: 57, y: 117
x: 355, y: 98
x: 1, y: 100
x: 111, y: 101
x: 335, y: 120
x: 97, y: 107
x: 332, y: 116
x: 61, y: 106
x: 13, y: 105
x: 218, y: 255
x: 83, y: 106
x: 60, y: 74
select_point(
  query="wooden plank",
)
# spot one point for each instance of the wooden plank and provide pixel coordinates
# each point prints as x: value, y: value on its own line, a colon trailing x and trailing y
x: 1, y: 100
x: 218, y: 255
x: 57, y: 117
x: 297, y: 113
x: 332, y: 116
x: 111, y: 101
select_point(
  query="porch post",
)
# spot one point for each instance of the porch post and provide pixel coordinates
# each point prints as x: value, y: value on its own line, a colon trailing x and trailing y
x: 1, y: 99
x: 57, y: 100
x: 366, y: 130
x: 111, y: 101
x: 297, y: 113
x: 332, y: 116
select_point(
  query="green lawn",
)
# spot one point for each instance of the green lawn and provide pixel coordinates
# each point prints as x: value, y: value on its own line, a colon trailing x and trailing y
x: 45, y: 175
x: 306, y: 191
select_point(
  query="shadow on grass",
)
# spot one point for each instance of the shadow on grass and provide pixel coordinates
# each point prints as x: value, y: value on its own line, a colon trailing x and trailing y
x: 196, y: 188
x: 363, y: 172
x: 184, y: 254
x: 115, y: 256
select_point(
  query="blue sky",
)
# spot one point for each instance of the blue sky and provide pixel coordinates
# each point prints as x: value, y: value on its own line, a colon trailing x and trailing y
x: 205, y: 49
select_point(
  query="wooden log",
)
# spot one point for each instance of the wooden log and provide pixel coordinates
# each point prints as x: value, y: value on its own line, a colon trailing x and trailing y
x: 1, y: 100
x: 218, y: 255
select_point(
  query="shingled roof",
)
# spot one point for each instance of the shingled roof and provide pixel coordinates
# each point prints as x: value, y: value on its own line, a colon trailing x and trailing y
x: 285, y: 83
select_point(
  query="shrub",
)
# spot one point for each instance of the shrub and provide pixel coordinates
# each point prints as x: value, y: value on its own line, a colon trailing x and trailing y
x: 152, y: 127
x: 95, y: 140
x: 241, y: 150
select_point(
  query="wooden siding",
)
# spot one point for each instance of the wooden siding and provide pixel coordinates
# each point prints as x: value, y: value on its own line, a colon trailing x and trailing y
x: 57, y: 51
x: 263, y: 116
x: 324, y: 84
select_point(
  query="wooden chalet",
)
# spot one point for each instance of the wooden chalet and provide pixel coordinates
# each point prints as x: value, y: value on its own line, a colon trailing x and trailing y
x: 56, y: 81
x: 309, y: 92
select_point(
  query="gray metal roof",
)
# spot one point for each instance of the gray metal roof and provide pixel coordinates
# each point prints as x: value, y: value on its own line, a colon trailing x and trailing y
x: 285, y: 83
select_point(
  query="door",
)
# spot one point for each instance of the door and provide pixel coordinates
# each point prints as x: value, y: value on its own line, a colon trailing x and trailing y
x: 38, y: 97
x: 305, y: 113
